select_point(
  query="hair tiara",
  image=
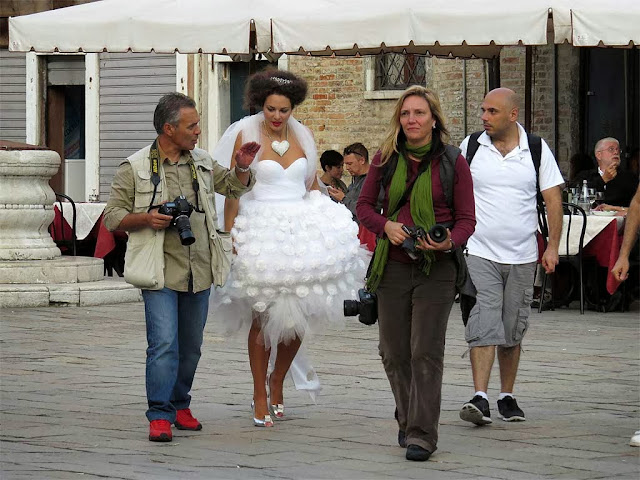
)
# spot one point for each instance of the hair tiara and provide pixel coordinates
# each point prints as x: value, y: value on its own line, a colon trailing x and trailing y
x: 281, y: 81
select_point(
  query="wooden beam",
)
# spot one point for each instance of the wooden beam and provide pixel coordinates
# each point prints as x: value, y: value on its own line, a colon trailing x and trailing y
x: 55, y: 132
x: 528, y: 73
x: 13, y: 8
x: 4, y: 32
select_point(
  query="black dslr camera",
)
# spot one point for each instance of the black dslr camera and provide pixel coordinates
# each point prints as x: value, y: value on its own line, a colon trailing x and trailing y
x: 366, y: 307
x: 180, y: 209
x: 438, y: 233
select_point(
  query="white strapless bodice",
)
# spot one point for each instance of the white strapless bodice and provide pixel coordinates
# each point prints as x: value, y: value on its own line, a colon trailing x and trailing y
x: 275, y: 183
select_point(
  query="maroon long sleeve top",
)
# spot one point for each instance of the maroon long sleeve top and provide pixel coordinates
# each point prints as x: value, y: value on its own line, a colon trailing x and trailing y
x: 463, y: 215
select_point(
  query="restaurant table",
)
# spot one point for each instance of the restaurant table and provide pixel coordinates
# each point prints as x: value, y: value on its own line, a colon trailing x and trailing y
x: 111, y: 246
x: 605, y: 245
x: 89, y: 229
x: 87, y: 216
x: 602, y: 241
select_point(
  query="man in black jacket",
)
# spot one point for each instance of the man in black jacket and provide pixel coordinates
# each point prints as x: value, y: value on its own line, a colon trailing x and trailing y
x: 618, y: 185
x: 356, y: 161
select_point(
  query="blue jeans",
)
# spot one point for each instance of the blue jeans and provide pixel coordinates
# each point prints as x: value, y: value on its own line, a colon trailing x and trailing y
x: 175, y: 325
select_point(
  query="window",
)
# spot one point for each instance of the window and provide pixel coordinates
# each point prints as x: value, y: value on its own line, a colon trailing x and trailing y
x: 397, y: 71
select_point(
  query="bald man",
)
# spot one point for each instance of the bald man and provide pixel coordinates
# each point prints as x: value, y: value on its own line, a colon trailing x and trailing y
x: 503, y: 249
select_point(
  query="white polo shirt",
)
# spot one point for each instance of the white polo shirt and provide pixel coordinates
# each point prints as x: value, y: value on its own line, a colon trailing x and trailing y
x: 504, y: 189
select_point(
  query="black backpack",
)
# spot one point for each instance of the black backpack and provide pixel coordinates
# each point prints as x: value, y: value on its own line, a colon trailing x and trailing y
x: 535, y: 146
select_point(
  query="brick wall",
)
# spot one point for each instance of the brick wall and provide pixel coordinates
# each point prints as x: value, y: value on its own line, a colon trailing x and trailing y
x: 568, y: 105
x: 512, y: 67
x: 338, y: 113
x: 449, y: 82
x: 542, y: 102
x: 335, y: 109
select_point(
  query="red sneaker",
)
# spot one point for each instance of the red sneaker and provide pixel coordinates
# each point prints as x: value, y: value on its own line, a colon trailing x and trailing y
x: 160, y: 431
x: 186, y: 421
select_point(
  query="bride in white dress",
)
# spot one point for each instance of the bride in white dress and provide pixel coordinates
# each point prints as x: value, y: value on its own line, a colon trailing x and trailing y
x: 297, y: 252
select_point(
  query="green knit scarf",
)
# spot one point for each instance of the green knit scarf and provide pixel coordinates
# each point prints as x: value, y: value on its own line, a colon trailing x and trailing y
x: 421, y: 203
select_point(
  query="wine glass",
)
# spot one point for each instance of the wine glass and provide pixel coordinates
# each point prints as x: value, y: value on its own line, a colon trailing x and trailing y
x: 575, y: 193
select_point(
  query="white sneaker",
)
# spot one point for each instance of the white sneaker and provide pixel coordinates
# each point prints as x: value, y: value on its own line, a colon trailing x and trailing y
x: 635, y: 440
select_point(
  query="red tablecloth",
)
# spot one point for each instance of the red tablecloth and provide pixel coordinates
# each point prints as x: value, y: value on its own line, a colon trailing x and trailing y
x: 605, y: 247
x: 60, y: 230
x: 105, y: 241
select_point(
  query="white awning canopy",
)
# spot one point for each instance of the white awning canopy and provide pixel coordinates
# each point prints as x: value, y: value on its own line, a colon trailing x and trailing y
x: 590, y: 23
x: 323, y: 27
x: 439, y: 26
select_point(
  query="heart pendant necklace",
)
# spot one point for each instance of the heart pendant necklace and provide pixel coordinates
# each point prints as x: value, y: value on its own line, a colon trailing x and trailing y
x: 279, y: 147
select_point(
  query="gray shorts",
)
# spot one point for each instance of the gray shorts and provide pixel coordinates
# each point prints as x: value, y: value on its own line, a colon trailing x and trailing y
x: 501, y: 313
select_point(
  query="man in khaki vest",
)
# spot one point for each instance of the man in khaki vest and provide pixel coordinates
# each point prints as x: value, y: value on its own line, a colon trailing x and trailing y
x: 163, y: 196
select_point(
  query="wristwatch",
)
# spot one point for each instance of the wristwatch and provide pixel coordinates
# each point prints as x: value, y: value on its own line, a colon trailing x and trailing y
x: 243, y: 170
x: 452, y: 248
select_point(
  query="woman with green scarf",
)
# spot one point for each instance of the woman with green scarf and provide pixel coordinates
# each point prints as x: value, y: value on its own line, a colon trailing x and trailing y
x: 415, y: 295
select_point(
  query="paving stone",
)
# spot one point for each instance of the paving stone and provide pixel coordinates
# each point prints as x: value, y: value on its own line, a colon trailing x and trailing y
x: 72, y: 405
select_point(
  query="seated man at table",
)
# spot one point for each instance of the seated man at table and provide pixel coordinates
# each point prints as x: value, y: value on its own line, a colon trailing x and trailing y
x: 175, y: 268
x: 618, y: 184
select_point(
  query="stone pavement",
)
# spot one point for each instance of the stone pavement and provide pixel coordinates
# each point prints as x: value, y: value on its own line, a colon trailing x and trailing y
x: 72, y: 405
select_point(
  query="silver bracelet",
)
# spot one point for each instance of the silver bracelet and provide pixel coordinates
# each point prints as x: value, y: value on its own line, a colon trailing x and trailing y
x: 243, y: 170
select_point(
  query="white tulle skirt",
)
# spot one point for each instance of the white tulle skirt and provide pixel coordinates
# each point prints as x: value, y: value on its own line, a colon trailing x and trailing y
x: 296, y: 262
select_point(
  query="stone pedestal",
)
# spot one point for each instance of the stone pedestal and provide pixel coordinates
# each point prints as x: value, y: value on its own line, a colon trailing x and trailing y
x: 33, y: 273
x: 26, y: 204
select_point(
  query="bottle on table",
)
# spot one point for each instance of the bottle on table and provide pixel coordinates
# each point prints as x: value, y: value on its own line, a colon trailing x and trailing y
x: 585, y: 203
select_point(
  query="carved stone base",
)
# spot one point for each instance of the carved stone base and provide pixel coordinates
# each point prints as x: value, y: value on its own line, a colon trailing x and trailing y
x: 26, y: 204
x: 103, y: 292
x: 64, y: 269
x: 32, y: 272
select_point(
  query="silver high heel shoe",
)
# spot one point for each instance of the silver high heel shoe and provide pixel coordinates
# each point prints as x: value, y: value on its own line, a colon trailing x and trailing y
x: 276, y: 409
x: 266, y: 422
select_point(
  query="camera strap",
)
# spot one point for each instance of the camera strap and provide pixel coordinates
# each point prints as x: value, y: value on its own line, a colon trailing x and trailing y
x: 403, y: 200
x: 196, y: 185
x: 154, y: 158
x: 424, y: 164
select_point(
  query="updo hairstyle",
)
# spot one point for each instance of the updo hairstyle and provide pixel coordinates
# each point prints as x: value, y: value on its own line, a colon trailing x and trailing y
x: 271, y: 81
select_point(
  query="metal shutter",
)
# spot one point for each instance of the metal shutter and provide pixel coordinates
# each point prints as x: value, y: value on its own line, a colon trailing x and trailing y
x: 130, y: 86
x: 13, y: 86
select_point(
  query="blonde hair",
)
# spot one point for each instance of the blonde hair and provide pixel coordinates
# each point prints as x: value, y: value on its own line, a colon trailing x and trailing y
x: 395, y: 133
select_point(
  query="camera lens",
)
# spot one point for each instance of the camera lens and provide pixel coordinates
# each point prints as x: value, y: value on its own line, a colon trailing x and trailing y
x: 438, y: 233
x: 184, y: 230
x: 351, y: 308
